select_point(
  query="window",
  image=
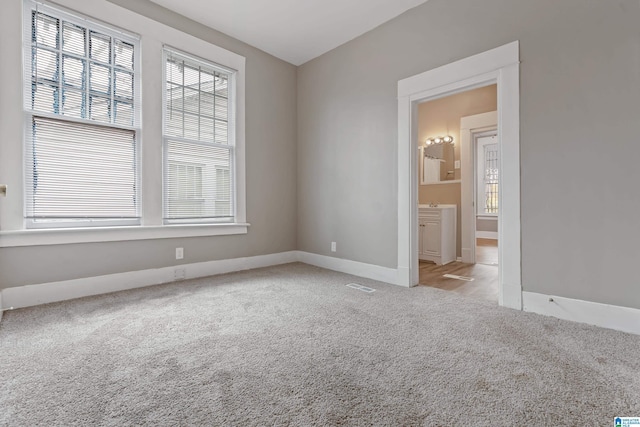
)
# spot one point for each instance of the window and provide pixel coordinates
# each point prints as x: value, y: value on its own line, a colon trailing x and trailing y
x: 75, y: 161
x: 82, y: 114
x: 488, y: 175
x: 198, y: 140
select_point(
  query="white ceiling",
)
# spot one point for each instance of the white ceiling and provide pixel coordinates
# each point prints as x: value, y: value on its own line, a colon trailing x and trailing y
x: 293, y: 30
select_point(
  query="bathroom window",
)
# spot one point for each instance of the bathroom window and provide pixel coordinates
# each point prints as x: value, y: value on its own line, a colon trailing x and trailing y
x: 488, y: 177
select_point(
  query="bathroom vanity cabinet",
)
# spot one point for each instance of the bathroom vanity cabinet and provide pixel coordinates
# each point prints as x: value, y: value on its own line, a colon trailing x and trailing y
x: 437, y: 233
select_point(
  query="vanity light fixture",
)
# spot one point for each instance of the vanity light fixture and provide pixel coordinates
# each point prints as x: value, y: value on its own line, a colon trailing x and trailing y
x: 439, y: 140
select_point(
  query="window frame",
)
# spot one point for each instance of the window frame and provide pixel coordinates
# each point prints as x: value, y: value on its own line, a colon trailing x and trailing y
x: 89, y: 24
x: 231, y: 134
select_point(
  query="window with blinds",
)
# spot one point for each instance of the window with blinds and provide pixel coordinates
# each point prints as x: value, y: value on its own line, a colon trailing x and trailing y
x: 82, y: 109
x: 198, y: 140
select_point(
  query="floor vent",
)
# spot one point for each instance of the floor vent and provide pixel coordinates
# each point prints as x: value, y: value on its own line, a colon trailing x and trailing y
x: 360, y: 288
x: 455, y: 276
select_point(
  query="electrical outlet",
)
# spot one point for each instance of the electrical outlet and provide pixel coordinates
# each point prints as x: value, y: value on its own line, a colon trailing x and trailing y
x: 179, y: 274
x: 179, y: 253
x: 333, y: 246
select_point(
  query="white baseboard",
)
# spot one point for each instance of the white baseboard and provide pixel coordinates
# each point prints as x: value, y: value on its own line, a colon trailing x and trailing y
x: 623, y: 319
x: 487, y: 235
x: 30, y: 295
x: 404, y: 278
x: 608, y: 316
x: 370, y: 271
x: 44, y: 293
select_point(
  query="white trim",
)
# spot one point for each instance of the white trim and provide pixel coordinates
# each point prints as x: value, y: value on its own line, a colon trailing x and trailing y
x: 61, y: 236
x: 30, y: 295
x: 470, y: 67
x: 369, y: 271
x: 487, y: 235
x: 623, y: 319
x: 501, y: 66
x: 470, y: 125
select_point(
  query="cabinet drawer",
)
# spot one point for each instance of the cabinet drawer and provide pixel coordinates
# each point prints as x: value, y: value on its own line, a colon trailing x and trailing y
x: 429, y: 213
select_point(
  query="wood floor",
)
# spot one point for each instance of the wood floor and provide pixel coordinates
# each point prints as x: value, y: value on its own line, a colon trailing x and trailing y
x: 487, y: 251
x: 485, y: 274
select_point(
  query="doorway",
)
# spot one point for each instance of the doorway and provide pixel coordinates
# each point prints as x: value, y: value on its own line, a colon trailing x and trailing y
x: 439, y: 192
x: 500, y: 66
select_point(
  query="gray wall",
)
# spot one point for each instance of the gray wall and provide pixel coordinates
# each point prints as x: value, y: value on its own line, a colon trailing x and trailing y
x: 580, y: 100
x: 271, y: 182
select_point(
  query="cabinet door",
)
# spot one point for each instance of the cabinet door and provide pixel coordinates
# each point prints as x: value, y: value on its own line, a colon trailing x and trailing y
x: 431, y: 237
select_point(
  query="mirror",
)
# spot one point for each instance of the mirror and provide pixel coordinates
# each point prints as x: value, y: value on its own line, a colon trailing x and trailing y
x: 438, y: 163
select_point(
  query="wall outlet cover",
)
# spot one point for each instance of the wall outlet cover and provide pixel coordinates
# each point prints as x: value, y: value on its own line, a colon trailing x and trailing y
x: 179, y: 253
x: 180, y: 274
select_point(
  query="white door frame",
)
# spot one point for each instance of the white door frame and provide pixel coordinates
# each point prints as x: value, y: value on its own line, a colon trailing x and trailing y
x: 469, y: 126
x: 500, y: 65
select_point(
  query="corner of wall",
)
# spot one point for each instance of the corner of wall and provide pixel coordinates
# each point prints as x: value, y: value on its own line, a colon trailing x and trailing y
x: 296, y: 136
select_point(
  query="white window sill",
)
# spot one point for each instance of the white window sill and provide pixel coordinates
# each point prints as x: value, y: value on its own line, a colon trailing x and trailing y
x: 62, y: 236
x: 488, y: 216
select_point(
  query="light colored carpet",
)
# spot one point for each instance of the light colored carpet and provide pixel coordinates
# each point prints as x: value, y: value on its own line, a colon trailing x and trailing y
x: 292, y: 345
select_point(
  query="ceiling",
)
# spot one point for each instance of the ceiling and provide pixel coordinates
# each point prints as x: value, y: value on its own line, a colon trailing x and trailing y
x: 293, y: 30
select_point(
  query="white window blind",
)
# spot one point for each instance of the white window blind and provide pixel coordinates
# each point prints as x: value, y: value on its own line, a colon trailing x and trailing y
x: 198, y: 140
x: 82, y: 112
